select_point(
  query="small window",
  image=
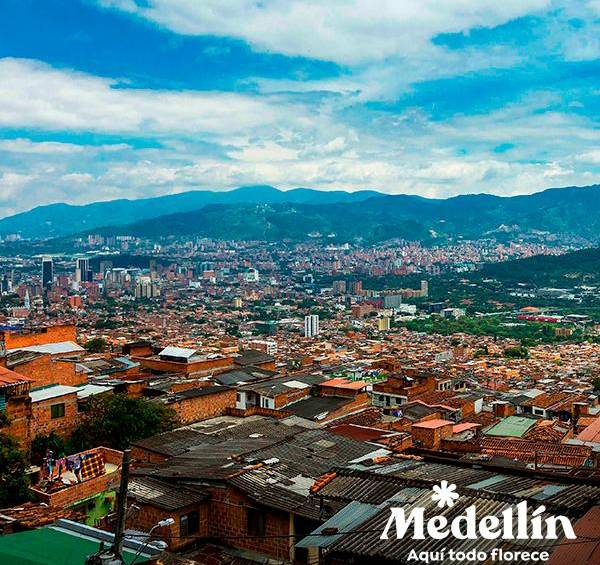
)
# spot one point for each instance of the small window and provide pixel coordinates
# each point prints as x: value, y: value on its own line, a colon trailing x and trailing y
x: 57, y: 411
x: 189, y: 524
x: 257, y: 520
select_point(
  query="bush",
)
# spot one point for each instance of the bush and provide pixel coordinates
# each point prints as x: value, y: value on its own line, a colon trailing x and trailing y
x: 14, y: 482
x: 117, y: 420
x: 95, y: 345
x: 42, y: 442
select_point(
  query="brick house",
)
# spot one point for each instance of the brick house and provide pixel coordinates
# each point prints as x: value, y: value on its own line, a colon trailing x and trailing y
x: 184, y: 361
x: 54, y: 409
x: 429, y: 434
x: 197, y: 404
x: 44, y: 368
x: 19, y: 339
x: 255, y: 358
x: 399, y: 389
x: 158, y: 500
x: 15, y: 403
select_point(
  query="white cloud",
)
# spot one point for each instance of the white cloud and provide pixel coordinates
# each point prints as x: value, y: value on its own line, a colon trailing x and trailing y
x: 33, y: 94
x: 345, y: 31
x: 27, y: 146
x: 592, y: 157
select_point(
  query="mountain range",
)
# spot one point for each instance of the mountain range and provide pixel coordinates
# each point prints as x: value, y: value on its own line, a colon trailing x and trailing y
x: 265, y: 213
x: 56, y: 220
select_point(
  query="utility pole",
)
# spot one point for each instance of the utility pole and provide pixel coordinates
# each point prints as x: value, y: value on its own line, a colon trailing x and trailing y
x: 121, y: 505
x: 113, y: 556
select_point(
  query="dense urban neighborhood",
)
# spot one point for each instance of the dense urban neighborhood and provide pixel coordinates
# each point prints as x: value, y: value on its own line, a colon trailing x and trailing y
x: 229, y: 402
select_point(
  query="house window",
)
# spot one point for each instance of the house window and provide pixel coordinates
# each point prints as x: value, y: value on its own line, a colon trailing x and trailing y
x: 57, y: 411
x: 257, y: 520
x: 189, y: 524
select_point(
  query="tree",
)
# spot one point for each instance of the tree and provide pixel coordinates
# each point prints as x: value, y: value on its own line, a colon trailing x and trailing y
x: 117, y: 420
x: 516, y: 352
x: 95, y: 345
x: 596, y: 383
x: 14, y: 482
x: 42, y: 442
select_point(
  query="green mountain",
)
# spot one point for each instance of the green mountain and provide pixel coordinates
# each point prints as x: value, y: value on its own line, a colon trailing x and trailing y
x: 56, y: 220
x: 564, y: 212
x: 561, y: 271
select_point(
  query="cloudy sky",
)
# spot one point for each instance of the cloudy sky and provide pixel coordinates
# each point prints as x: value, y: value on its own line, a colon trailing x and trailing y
x: 104, y: 99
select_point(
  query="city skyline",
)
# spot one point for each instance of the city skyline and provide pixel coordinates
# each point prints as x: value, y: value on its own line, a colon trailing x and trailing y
x: 123, y: 99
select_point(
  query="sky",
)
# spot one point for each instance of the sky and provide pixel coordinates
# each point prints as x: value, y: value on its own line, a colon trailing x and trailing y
x: 105, y: 99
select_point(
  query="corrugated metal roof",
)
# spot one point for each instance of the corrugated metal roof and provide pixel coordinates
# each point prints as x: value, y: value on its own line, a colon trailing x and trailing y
x: 51, y: 392
x: 163, y: 495
x: 171, y: 351
x: 512, y: 426
x: 348, y: 518
x: 84, y: 391
x: 52, y: 348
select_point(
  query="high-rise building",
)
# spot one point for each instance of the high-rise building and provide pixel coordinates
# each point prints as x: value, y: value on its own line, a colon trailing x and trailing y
x: 146, y: 288
x: 82, y: 270
x: 356, y: 287
x: 339, y: 287
x: 311, y: 325
x: 392, y: 300
x: 424, y: 288
x: 383, y: 324
x: 47, y: 272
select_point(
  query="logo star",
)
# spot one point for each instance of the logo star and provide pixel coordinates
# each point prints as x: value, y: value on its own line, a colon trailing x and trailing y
x: 444, y: 494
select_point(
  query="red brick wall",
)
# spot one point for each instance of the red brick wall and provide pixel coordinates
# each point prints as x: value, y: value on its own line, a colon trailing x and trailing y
x: 80, y: 491
x: 139, y: 350
x: 460, y: 446
x: 431, y: 438
x: 18, y: 411
x: 338, y: 391
x: 201, y: 367
x: 47, y: 371
x: 361, y: 401
x: 186, y: 385
x: 50, y: 334
x: 200, y: 408
x: 257, y: 410
x: 229, y: 518
x: 148, y: 516
x: 293, y: 395
x: 141, y: 456
x: 43, y: 423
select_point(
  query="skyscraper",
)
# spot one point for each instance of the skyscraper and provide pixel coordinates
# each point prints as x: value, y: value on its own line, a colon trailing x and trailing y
x: 311, y: 325
x: 82, y: 269
x: 47, y: 272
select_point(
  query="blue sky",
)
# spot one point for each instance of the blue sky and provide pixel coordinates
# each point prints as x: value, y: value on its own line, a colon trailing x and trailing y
x: 103, y: 99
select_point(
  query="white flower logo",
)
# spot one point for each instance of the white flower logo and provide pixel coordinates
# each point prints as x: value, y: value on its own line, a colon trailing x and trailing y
x: 445, y: 494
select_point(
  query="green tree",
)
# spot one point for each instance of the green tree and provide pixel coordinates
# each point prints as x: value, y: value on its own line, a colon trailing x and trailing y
x: 43, y: 442
x: 596, y: 383
x: 516, y: 352
x: 13, y: 479
x: 118, y: 420
x: 95, y: 345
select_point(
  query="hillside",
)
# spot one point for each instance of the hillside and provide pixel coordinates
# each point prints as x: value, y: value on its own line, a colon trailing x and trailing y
x: 56, y: 220
x: 562, y: 271
x: 566, y: 212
